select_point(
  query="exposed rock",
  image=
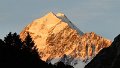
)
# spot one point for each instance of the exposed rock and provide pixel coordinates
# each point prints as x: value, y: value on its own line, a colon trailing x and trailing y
x: 108, y: 57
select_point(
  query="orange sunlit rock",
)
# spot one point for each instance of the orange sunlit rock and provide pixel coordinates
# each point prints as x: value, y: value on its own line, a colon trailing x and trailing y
x: 55, y: 36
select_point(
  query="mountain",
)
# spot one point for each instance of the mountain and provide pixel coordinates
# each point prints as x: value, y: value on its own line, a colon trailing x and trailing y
x: 107, y: 57
x: 58, y: 39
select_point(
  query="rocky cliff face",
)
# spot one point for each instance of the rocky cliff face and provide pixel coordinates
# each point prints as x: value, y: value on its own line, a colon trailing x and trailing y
x: 56, y: 36
x: 108, y: 57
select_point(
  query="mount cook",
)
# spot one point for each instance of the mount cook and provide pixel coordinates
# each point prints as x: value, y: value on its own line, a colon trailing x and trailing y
x: 58, y: 39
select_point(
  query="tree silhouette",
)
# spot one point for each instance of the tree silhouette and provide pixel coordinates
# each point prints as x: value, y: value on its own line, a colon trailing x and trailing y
x: 29, y: 44
x: 15, y: 53
x: 29, y: 53
x: 9, y: 49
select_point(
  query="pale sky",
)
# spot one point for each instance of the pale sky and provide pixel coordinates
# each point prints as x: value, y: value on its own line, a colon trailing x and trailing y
x: 99, y: 16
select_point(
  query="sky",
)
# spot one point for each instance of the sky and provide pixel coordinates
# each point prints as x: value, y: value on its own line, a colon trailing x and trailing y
x: 99, y: 16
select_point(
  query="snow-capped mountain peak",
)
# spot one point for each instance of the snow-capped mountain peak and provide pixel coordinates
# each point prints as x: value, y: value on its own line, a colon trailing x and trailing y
x: 56, y: 36
x: 63, y: 17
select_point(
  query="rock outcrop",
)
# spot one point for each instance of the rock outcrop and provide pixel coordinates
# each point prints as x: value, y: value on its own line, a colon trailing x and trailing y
x: 108, y: 57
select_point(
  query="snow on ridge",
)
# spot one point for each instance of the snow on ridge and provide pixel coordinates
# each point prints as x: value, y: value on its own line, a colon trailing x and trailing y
x: 66, y: 20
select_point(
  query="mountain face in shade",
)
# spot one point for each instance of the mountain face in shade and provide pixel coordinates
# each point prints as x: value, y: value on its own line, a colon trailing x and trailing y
x: 58, y: 39
x: 107, y: 57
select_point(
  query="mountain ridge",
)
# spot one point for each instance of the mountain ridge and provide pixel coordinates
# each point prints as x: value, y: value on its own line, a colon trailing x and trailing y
x: 108, y: 57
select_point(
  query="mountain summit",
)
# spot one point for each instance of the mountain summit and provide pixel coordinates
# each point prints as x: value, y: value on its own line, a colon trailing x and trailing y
x: 41, y: 28
x: 58, y: 39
